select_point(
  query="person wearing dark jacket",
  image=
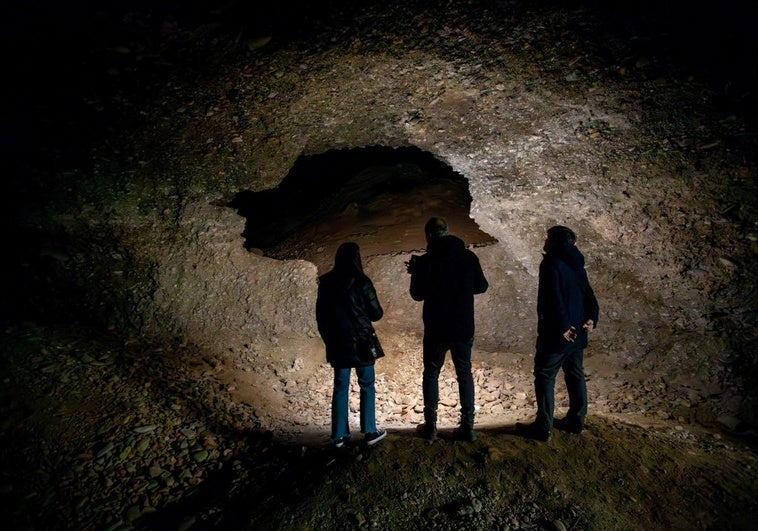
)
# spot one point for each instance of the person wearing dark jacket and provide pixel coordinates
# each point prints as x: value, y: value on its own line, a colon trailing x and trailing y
x: 446, y: 278
x: 346, y: 306
x: 566, y: 310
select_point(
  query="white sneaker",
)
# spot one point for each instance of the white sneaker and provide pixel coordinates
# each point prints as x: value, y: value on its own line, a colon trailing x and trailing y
x: 373, y: 438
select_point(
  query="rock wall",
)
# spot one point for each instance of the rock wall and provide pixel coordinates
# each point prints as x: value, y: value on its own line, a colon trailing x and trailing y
x: 641, y: 163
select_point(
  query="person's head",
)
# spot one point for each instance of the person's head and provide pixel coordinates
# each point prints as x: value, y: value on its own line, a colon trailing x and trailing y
x: 559, y: 236
x: 435, y: 228
x: 348, y: 258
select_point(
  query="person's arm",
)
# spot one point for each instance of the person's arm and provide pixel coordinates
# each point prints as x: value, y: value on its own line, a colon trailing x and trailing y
x: 322, y: 314
x: 480, y: 282
x: 550, y: 283
x: 373, y: 308
x: 591, y: 307
x: 419, y: 278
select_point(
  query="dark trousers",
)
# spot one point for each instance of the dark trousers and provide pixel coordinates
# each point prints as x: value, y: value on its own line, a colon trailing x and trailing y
x: 434, y: 358
x: 546, y: 366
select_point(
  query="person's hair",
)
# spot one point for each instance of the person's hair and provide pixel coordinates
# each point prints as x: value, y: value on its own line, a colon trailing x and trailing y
x: 348, y: 258
x: 561, y: 235
x: 435, y: 228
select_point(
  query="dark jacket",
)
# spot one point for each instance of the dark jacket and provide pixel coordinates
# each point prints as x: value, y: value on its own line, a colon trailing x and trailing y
x: 345, y: 307
x: 564, y: 299
x: 446, y: 278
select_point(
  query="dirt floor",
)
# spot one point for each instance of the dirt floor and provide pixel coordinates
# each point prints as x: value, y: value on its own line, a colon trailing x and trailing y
x: 99, y: 434
x: 160, y: 371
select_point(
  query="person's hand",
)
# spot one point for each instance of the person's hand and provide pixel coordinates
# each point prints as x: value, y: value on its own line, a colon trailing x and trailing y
x: 570, y: 334
x: 589, y: 325
x: 410, y: 265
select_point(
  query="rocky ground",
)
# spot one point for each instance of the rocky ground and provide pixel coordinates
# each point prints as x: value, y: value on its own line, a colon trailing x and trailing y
x: 105, y: 434
x: 115, y: 417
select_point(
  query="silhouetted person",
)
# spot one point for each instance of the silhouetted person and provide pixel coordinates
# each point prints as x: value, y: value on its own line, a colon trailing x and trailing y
x: 446, y: 278
x: 567, y: 309
x: 345, y: 308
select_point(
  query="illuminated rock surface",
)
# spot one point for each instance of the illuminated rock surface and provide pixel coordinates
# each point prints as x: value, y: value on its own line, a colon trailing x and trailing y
x: 161, y: 361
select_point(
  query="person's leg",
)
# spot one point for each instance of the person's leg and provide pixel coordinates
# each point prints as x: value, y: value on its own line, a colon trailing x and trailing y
x: 546, y: 366
x: 576, y: 385
x: 340, y: 391
x: 434, y: 357
x: 366, y: 379
x: 460, y: 352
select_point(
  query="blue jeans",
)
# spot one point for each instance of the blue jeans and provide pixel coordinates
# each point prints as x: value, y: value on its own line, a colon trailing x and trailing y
x: 434, y: 358
x: 340, y: 424
x: 546, y: 367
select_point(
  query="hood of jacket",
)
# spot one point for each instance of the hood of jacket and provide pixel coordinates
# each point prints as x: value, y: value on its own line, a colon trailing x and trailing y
x: 569, y: 254
x: 445, y: 246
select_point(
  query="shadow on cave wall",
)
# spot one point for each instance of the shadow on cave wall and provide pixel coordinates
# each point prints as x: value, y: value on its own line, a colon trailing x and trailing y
x: 379, y: 197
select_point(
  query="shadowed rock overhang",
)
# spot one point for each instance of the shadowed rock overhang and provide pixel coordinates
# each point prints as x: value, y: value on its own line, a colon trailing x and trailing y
x: 379, y: 197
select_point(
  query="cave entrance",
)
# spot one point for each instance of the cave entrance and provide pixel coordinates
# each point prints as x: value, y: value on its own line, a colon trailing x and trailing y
x: 379, y: 197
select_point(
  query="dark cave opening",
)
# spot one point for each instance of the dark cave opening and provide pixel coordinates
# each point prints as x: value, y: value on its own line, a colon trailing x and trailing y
x: 377, y: 196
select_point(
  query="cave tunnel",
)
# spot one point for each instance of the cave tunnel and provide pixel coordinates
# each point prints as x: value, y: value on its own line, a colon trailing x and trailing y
x: 154, y: 364
x: 378, y: 196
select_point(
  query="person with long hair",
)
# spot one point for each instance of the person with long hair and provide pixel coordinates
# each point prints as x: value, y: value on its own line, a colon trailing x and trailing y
x: 346, y: 306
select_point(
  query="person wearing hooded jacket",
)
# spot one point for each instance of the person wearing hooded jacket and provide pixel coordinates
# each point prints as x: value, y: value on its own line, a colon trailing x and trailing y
x: 566, y: 310
x: 346, y: 305
x: 446, y: 278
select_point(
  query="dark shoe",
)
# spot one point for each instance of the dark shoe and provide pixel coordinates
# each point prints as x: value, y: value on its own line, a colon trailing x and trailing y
x: 464, y: 433
x: 339, y: 443
x: 532, y: 431
x: 465, y: 430
x: 427, y: 430
x: 373, y: 438
x: 571, y: 425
